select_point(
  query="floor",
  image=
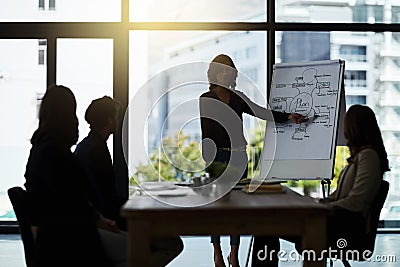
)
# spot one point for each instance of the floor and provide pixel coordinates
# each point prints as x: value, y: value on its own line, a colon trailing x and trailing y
x: 199, y: 249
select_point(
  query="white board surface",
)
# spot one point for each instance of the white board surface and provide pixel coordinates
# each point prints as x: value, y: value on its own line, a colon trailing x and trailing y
x: 306, y: 150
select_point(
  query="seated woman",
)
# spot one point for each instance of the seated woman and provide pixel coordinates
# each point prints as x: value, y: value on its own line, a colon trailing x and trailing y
x: 360, y: 180
x: 93, y: 153
x: 64, y: 222
x: 357, y: 187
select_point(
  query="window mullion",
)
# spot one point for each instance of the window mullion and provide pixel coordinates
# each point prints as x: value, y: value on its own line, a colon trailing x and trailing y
x: 51, y: 61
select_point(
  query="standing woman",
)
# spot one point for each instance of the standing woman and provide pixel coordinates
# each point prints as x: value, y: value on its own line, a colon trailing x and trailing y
x: 221, y: 118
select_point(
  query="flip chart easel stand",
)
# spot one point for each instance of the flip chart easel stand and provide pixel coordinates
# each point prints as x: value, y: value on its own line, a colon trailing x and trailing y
x: 326, y: 187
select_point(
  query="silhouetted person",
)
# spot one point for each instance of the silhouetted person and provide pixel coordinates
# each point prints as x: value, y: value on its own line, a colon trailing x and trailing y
x: 95, y: 157
x: 360, y: 180
x: 92, y: 152
x: 65, y: 224
x: 358, y: 185
x: 221, y: 117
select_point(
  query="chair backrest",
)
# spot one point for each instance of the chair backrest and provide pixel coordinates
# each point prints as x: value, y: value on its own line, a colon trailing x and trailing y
x: 19, y: 202
x: 375, y: 211
x: 368, y: 242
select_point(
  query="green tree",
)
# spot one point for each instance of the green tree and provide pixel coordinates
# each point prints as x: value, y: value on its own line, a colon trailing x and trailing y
x: 254, y: 149
x: 342, y: 153
x: 179, y: 159
x: 176, y: 160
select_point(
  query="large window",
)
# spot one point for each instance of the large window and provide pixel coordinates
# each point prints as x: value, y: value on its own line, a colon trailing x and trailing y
x: 22, y: 84
x: 123, y: 47
x: 172, y: 66
x: 60, y: 11
x: 87, y: 71
x: 193, y: 10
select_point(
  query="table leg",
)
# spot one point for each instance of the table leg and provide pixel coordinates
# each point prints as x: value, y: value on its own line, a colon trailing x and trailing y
x: 314, y: 242
x: 138, y: 244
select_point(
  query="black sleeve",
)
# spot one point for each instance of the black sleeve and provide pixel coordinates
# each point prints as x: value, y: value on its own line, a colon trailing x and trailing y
x: 280, y: 117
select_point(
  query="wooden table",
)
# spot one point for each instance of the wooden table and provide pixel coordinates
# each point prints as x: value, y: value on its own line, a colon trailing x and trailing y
x: 237, y: 213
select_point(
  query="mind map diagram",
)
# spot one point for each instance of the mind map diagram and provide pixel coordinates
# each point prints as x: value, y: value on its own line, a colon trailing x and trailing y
x: 311, y: 93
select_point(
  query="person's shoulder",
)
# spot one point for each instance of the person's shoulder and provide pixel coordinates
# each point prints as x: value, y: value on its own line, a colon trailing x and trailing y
x: 368, y: 154
x: 208, y: 94
x: 239, y: 94
x: 368, y: 151
x: 83, y: 142
x: 240, y: 98
x: 83, y: 146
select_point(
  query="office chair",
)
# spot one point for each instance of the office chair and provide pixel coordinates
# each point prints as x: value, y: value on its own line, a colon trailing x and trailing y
x: 18, y: 200
x: 368, y: 240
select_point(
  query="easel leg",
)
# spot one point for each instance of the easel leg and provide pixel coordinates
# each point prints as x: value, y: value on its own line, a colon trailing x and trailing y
x: 326, y: 187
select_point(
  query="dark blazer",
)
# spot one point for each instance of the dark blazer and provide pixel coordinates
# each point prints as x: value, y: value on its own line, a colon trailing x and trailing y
x: 57, y: 190
x: 93, y: 154
x: 56, y: 185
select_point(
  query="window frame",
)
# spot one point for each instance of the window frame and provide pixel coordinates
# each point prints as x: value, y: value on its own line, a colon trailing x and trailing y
x: 119, y: 32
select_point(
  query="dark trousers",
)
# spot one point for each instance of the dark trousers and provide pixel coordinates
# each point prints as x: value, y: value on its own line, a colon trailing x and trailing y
x: 342, y: 224
x: 215, y: 169
x: 265, y: 250
x: 347, y: 225
x: 69, y: 243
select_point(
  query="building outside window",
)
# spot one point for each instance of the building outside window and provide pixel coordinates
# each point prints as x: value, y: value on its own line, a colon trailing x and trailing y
x: 355, y: 99
x: 42, y: 52
x: 355, y: 78
x: 353, y: 53
x: 41, y: 4
x: 47, y: 4
x: 251, y: 52
x: 52, y: 4
x: 368, y: 13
